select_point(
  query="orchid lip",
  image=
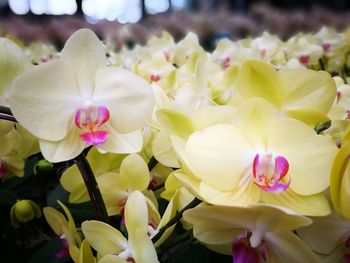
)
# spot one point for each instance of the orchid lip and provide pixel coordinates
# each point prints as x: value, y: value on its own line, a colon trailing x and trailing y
x: 90, y: 119
x: 268, y: 176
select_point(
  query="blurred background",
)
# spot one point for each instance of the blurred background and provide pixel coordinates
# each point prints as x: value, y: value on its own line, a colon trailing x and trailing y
x: 133, y: 21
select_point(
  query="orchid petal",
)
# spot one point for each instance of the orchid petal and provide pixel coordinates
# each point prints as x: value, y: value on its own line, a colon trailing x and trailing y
x: 128, y: 98
x: 103, y: 238
x: 38, y: 95
x: 285, y: 246
x: 85, y: 53
x: 135, y: 172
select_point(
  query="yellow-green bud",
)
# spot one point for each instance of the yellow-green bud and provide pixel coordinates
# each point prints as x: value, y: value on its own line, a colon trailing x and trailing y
x: 43, y: 166
x: 23, y: 211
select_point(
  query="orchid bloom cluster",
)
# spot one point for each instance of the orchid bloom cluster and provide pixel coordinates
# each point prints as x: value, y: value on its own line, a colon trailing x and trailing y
x: 247, y: 146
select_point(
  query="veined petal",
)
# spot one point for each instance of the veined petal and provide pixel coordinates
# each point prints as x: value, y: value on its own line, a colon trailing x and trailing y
x: 219, y: 155
x: 259, y: 79
x: 63, y: 150
x: 130, y: 142
x: 128, y: 98
x: 144, y: 250
x: 45, y: 98
x: 136, y: 215
x: 245, y: 194
x: 85, y: 53
x: 103, y: 238
x: 309, y: 205
x: 325, y: 233
x: 339, y: 181
x: 308, y: 89
x: 310, y: 156
x: 285, y: 246
x: 55, y: 219
x: 162, y: 150
x: 86, y: 255
x: 13, y: 62
x: 134, y: 169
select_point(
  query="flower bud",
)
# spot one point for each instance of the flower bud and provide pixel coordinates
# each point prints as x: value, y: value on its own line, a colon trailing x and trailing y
x: 23, y: 211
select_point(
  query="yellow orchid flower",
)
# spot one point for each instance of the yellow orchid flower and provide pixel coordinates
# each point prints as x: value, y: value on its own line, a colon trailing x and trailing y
x: 260, y: 157
x: 257, y: 233
x: 90, y: 102
x: 110, y: 243
x: 187, y: 48
x: 64, y: 227
x: 302, y: 94
x: 156, y: 68
x: 305, y: 48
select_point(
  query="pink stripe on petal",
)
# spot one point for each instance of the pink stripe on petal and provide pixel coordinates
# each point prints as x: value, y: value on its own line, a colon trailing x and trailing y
x: 94, y: 138
x: 281, y: 167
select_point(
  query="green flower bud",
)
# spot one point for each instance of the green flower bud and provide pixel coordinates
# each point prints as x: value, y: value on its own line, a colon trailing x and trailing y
x: 23, y: 211
x: 43, y: 166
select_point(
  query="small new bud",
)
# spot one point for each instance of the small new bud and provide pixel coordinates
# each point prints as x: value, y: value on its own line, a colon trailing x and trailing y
x: 23, y: 211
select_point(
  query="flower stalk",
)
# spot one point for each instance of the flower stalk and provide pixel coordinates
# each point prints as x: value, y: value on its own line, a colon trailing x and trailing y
x: 92, y: 187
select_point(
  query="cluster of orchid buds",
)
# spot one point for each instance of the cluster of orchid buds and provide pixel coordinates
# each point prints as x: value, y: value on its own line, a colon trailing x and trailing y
x: 244, y: 148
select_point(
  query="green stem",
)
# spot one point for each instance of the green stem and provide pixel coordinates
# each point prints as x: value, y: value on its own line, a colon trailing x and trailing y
x: 175, y: 219
x: 92, y: 188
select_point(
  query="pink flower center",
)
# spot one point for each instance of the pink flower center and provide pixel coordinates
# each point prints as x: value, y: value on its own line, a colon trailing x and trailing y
x: 90, y: 119
x: 226, y: 62
x: 326, y: 47
x: 155, y: 77
x: 304, y: 59
x: 268, y: 172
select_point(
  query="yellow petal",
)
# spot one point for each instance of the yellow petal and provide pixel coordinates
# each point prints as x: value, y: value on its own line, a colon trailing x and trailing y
x: 112, y: 259
x: 134, y: 169
x: 86, y: 255
x: 130, y: 142
x: 144, y: 250
x: 162, y: 150
x: 63, y: 150
x: 310, y: 156
x: 219, y: 155
x: 103, y: 238
x: 325, y: 233
x: 310, y: 205
x: 308, y: 89
x: 285, y: 246
x: 85, y: 53
x: 339, y: 181
x: 39, y: 94
x: 175, y: 122
x: 128, y: 98
x: 259, y: 79
x: 55, y: 219
x: 136, y: 215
